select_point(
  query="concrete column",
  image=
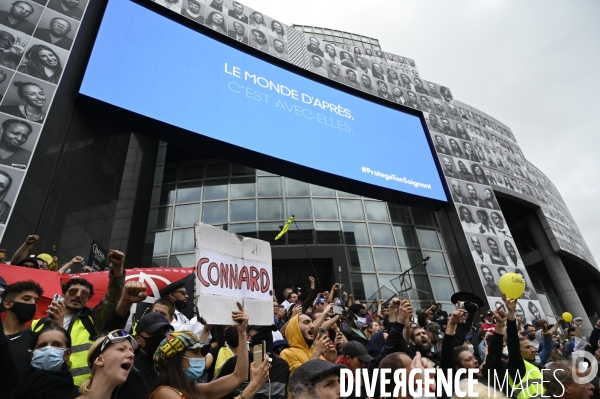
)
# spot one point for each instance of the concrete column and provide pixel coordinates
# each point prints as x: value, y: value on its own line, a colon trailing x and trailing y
x: 565, y: 290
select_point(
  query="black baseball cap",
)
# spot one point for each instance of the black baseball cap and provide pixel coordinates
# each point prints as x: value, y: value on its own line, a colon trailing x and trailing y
x: 152, y: 322
x: 356, y: 349
x: 312, y: 371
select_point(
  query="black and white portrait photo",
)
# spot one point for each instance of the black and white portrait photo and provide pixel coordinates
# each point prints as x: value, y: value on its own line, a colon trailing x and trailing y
x: 479, y: 249
x: 362, y: 65
x: 258, y: 21
x: 439, y: 108
x: 393, y: 77
x: 75, y: 8
x: 17, y: 140
x: 461, y: 131
x: 463, y: 170
x: 278, y: 48
x: 500, y: 226
x: 259, y: 40
x: 426, y: 104
x: 12, y: 47
x: 432, y: 88
x: 237, y: 12
x: 317, y: 64
x: 447, y: 126
x: 446, y: 94
x: 489, y: 200
x: 449, y: 168
x: 468, y: 150
x: 10, y: 181
x: 347, y: 60
x: 367, y: 84
x: 440, y: 144
x: 43, y: 61
x: 433, y: 122
x: 351, y: 78
x: 377, y: 71
x: 27, y: 98
x: 194, y: 10
x: 238, y: 31
x: 5, y: 78
x: 19, y: 15
x: 383, y: 90
x: 398, y: 95
x: 331, y: 53
x: 217, y: 5
x: 459, y: 194
x: 334, y: 72
x: 467, y: 218
x: 489, y: 281
x: 455, y: 149
x: 216, y: 21
x: 313, y: 46
x: 478, y: 174
x: 413, y: 101
x: 56, y: 29
x: 485, y: 225
x: 453, y: 112
x: 406, y: 82
x: 496, y: 255
x: 277, y: 29
x: 513, y: 258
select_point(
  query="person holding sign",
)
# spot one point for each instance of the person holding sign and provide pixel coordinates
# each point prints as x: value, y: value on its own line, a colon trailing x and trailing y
x: 180, y: 361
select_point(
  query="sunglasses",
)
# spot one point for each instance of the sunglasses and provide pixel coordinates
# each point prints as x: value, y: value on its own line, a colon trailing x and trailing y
x: 112, y: 338
x: 84, y: 294
x: 184, y: 292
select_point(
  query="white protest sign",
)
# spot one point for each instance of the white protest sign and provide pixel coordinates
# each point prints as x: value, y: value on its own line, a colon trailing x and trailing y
x: 229, y: 269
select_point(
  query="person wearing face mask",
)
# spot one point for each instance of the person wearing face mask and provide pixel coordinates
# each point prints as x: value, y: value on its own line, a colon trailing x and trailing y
x: 20, y: 302
x: 177, y: 293
x: 48, y: 376
x: 150, y: 331
x: 276, y: 388
x: 180, y: 361
x: 357, y: 319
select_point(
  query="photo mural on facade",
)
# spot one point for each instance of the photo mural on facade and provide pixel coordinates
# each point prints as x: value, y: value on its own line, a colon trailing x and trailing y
x: 36, y: 37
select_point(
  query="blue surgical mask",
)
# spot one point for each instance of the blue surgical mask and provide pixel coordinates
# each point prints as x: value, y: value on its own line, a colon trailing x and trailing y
x: 196, y: 368
x: 48, y: 358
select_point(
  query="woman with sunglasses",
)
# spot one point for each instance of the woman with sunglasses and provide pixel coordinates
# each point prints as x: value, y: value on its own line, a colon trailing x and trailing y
x: 110, y: 358
x: 180, y: 361
x: 49, y: 375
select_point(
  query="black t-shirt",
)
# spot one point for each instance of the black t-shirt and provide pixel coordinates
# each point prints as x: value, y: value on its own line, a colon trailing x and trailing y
x: 19, y: 345
x: 140, y: 379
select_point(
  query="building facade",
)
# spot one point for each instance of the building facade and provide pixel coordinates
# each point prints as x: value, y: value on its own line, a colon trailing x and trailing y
x: 82, y: 178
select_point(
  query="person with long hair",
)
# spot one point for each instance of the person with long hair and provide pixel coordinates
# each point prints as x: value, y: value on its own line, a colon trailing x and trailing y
x: 277, y: 29
x: 34, y: 100
x: 42, y: 63
x: 5, y: 183
x: 216, y: 21
x: 180, y: 359
x: 49, y: 375
x: 111, y: 359
x: 13, y: 134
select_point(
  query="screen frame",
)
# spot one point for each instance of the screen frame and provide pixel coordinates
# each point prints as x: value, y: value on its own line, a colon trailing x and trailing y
x: 185, y: 139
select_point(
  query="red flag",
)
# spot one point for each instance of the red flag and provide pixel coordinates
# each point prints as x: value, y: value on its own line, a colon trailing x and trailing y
x: 155, y: 278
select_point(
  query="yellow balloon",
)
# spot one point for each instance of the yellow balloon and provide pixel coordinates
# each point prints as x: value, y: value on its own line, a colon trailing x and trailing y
x: 512, y: 285
x: 568, y: 317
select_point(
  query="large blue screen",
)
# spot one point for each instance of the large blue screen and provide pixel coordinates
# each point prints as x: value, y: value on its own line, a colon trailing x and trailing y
x: 148, y: 64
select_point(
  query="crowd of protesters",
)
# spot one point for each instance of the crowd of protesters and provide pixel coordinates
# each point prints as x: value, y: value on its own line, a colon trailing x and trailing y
x: 104, y: 352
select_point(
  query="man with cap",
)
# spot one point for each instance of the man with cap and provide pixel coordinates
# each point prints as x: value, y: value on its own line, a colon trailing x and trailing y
x: 177, y: 293
x: 488, y: 322
x: 356, y: 356
x: 434, y: 331
x: 276, y: 388
x: 317, y: 379
x: 440, y: 316
x: 150, y: 331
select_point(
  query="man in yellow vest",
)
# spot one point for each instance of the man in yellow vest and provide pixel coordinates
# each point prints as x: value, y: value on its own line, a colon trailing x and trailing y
x: 83, y: 323
x: 525, y: 378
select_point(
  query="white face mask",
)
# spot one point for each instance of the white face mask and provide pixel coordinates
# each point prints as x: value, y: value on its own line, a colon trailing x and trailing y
x: 505, y: 351
x: 471, y: 349
x: 360, y: 322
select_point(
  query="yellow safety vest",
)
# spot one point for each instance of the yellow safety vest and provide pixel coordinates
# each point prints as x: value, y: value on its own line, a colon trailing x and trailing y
x: 80, y: 345
x: 530, y: 385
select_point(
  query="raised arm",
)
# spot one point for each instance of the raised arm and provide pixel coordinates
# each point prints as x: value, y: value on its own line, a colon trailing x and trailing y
x: 227, y: 384
x: 515, y: 362
x: 312, y: 294
x: 335, y: 288
x: 448, y: 343
x: 24, y: 249
x: 116, y: 283
x: 493, y: 360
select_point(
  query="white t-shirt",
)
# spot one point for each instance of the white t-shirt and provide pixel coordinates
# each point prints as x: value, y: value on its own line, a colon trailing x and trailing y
x: 67, y: 321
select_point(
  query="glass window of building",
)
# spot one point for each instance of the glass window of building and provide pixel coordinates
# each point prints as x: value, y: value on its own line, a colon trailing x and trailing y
x: 364, y: 285
x: 319, y: 191
x: 429, y: 239
x: 325, y: 208
x: 409, y: 258
x: 167, y: 194
x: 399, y: 214
x: 328, y: 233
x: 183, y: 240
x: 187, y: 260
x: 406, y: 236
x: 355, y: 233
x: 299, y: 207
x: 295, y: 188
x: 300, y: 233
x: 352, y: 210
x: 381, y: 234
x: 437, y: 263
x: 337, y: 33
x: 241, y: 170
x: 361, y: 259
x: 214, y: 212
x: 243, y: 188
x: 215, y: 189
x: 192, y: 171
x: 242, y: 210
x: 423, y: 217
x: 442, y: 287
x: 244, y: 229
x: 269, y: 187
x: 268, y: 231
x: 217, y: 168
x: 189, y: 192
x: 186, y: 215
x: 270, y: 209
x: 161, y: 242
x: 329, y: 38
x: 164, y: 218
x: 376, y: 211
x: 386, y: 260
